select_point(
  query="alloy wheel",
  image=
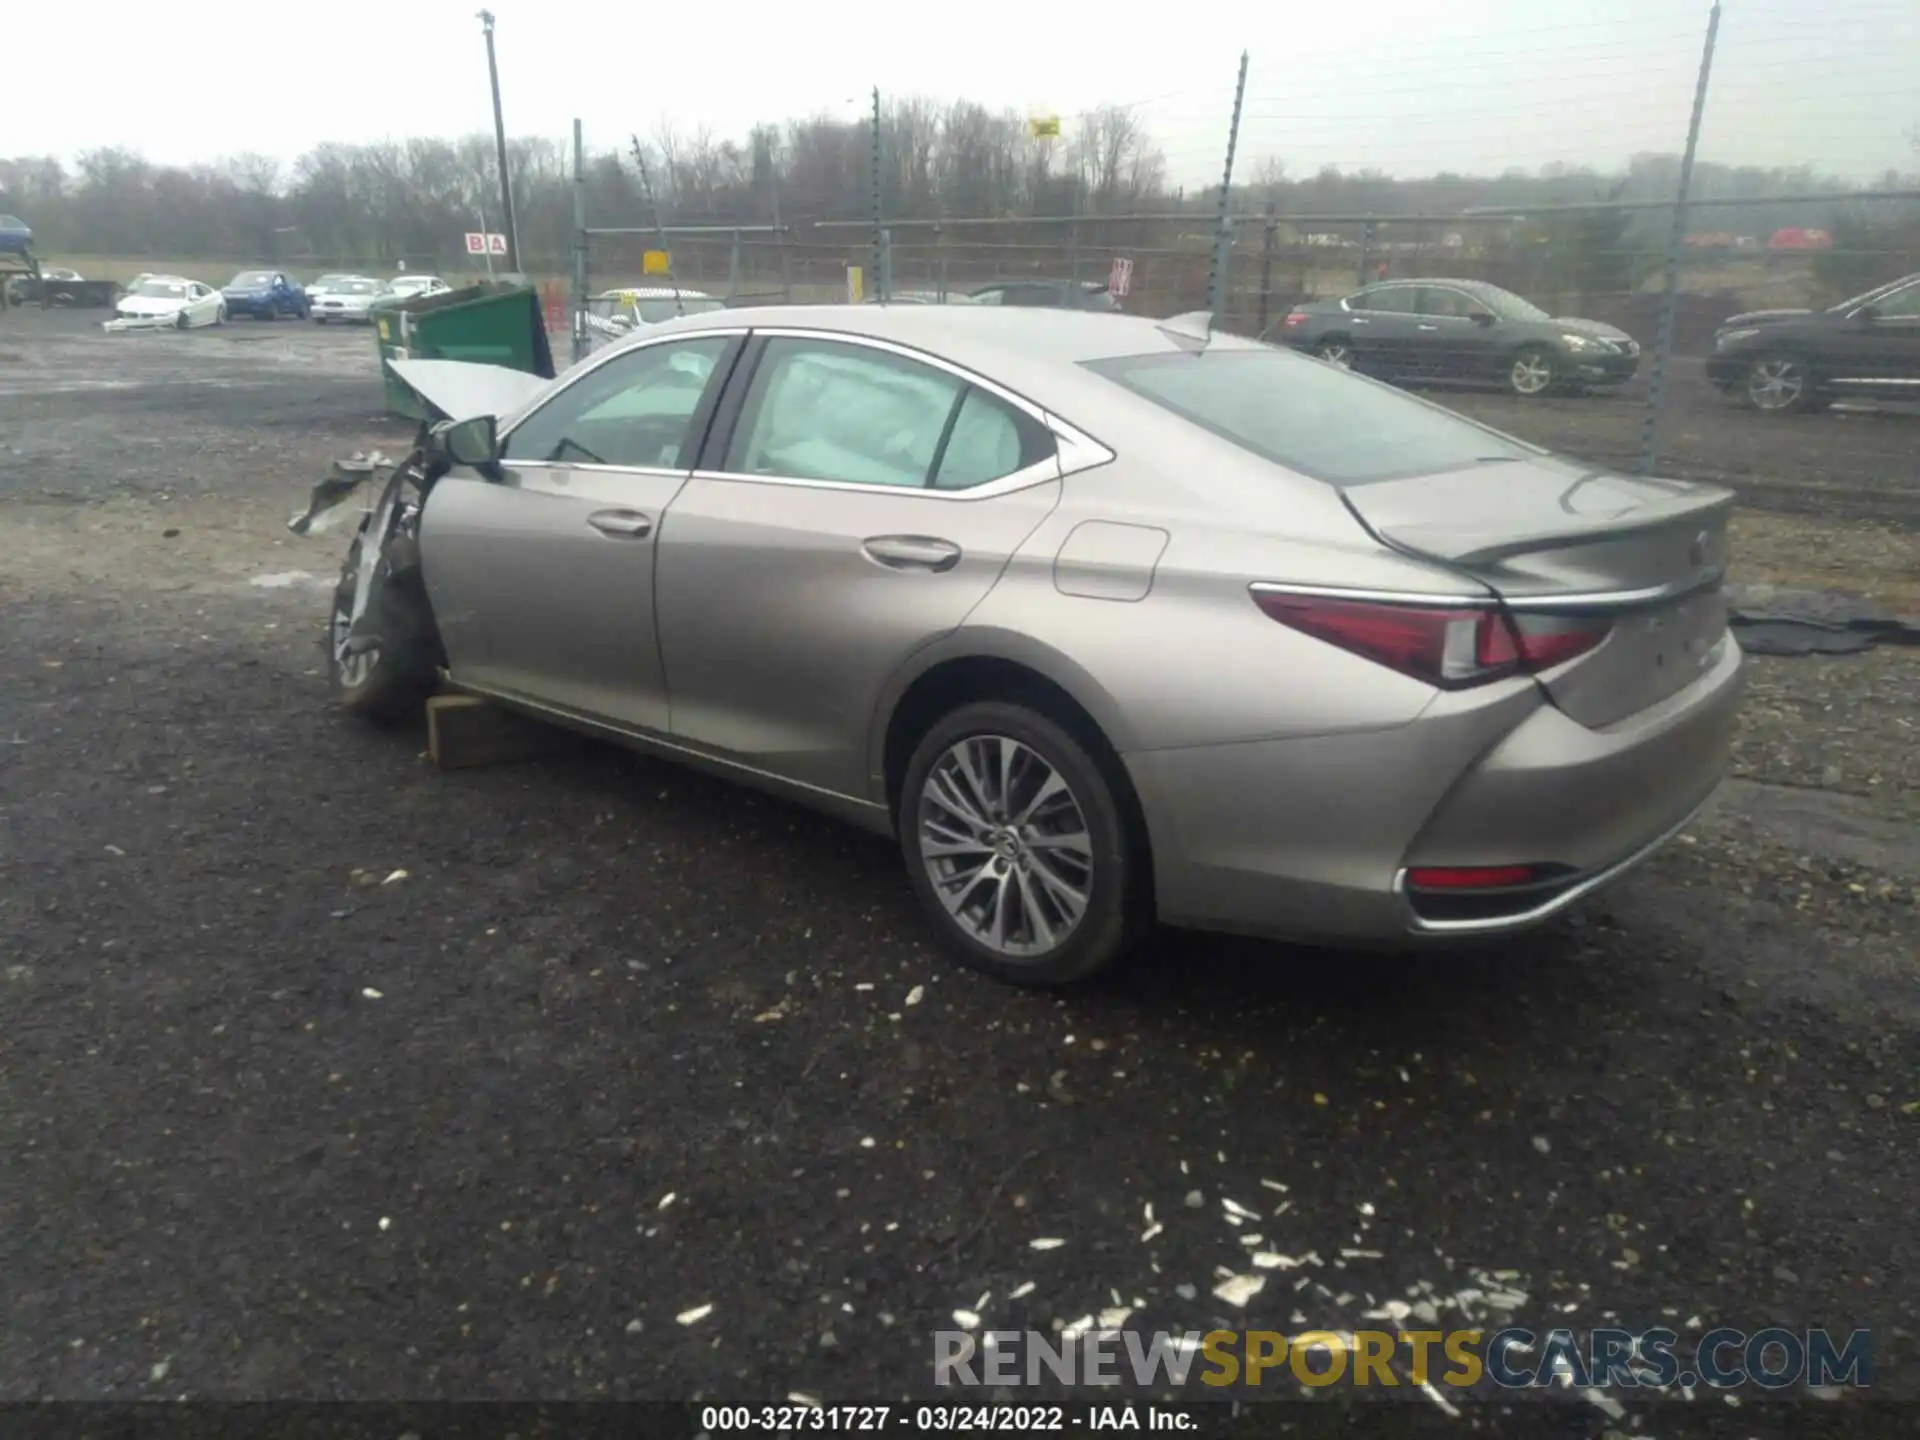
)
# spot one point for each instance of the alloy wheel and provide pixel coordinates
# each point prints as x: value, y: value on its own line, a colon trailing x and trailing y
x: 1335, y: 353
x: 1532, y: 374
x: 1005, y: 845
x: 1776, y: 384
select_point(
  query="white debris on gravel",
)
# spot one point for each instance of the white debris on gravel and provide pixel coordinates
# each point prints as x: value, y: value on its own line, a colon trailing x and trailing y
x: 1151, y: 1231
x: 1274, y: 1185
x: 1021, y: 1291
x: 1045, y: 1242
x: 1427, y: 1389
x: 695, y: 1315
x: 385, y: 1223
x: 1239, y: 1289
x: 667, y: 1199
x: 372, y: 994
x: 966, y: 1319
x: 1234, y: 1207
x: 812, y: 1402
x: 916, y: 995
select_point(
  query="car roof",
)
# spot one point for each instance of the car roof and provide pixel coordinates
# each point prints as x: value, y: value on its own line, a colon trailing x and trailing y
x: 1034, y: 351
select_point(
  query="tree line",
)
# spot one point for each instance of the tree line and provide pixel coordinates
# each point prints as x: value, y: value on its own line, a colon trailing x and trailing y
x: 386, y: 201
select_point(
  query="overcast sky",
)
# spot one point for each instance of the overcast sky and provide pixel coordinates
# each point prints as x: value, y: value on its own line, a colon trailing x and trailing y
x: 1408, y: 86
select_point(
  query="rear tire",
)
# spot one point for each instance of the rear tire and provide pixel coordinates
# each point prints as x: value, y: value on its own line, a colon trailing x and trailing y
x: 1335, y: 350
x: 180, y: 321
x: 1011, y: 868
x: 393, y: 680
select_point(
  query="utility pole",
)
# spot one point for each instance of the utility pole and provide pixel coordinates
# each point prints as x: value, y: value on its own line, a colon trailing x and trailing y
x: 500, y: 145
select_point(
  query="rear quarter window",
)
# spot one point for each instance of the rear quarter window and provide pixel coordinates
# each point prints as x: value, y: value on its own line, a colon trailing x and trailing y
x: 1317, y: 419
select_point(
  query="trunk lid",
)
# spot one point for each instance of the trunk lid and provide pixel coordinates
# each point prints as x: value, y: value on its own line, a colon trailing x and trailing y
x: 1553, y: 538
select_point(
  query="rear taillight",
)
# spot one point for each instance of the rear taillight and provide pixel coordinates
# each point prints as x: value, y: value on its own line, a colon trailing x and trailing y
x: 1295, y: 317
x: 1473, y: 877
x: 1452, y: 647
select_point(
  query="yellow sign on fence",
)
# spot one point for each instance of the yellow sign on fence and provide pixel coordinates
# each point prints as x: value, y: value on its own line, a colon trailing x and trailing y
x: 656, y: 262
x: 856, y: 285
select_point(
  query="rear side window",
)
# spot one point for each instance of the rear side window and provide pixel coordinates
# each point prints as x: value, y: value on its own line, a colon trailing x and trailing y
x: 1313, y: 418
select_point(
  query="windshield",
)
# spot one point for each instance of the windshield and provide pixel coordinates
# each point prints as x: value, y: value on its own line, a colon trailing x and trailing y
x: 652, y: 312
x: 408, y: 283
x: 1310, y: 416
x: 12, y: 222
x: 1872, y: 295
x: 1507, y: 305
x: 160, y: 289
x: 252, y: 280
x: 354, y: 287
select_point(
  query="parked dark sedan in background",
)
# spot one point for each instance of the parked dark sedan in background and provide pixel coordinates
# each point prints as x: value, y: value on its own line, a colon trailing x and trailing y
x: 1459, y: 332
x: 1783, y: 361
x: 1047, y: 294
x: 265, y: 295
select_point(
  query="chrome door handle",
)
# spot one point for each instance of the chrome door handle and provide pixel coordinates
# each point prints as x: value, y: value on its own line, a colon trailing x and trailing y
x: 1359, y: 320
x: 912, y: 552
x: 1429, y: 327
x: 622, y: 524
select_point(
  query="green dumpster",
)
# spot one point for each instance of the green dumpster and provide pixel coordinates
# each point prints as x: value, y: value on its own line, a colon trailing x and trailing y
x: 490, y: 323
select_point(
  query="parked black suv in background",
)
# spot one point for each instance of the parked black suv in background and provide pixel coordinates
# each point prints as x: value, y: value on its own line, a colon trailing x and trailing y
x: 1782, y: 361
x: 1048, y: 294
x: 1459, y: 332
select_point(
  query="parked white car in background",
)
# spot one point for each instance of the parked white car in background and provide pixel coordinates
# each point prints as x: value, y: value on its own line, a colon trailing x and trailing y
x: 347, y: 298
x: 160, y: 301
x: 326, y: 282
x: 406, y: 287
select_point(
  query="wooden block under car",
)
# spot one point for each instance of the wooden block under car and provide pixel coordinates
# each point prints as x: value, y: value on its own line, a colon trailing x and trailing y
x: 465, y: 731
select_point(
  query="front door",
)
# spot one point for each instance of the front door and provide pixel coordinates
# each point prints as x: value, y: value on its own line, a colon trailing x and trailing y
x: 542, y: 578
x: 857, y: 509
x: 1455, y: 341
x: 1884, y: 352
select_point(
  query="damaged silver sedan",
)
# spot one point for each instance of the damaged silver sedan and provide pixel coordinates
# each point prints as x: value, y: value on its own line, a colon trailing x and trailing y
x: 1104, y: 620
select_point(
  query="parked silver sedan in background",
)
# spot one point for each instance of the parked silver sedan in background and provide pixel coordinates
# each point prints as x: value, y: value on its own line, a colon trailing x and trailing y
x: 1105, y: 619
x: 347, y: 298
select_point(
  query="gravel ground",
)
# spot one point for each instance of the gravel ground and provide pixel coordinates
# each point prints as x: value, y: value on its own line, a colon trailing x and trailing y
x: 623, y: 1043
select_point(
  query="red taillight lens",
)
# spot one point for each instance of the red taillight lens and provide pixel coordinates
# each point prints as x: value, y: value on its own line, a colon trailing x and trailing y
x: 1295, y: 317
x: 1451, y: 647
x: 1471, y: 877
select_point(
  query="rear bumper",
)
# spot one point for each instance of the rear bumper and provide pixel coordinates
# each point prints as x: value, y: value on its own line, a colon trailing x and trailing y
x: 1309, y: 839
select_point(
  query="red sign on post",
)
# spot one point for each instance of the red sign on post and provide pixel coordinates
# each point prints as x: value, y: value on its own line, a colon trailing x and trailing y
x: 479, y: 243
x: 1120, y: 277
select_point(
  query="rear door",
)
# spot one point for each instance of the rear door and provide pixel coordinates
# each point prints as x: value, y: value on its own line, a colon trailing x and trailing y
x: 1385, y: 342
x: 856, y: 501
x: 1573, y: 546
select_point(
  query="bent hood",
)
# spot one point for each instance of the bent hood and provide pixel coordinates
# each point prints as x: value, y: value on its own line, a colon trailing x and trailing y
x: 463, y: 389
x: 1763, y: 317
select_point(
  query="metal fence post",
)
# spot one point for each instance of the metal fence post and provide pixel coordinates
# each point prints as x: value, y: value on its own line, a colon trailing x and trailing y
x: 580, y: 239
x: 1223, y: 239
x: 733, y: 269
x: 1676, y: 241
x: 1267, y: 238
x: 885, y: 277
x: 786, y: 276
x: 1366, y: 248
x: 873, y: 158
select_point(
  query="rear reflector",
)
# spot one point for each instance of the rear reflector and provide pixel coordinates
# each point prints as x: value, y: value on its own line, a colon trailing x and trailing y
x: 1471, y: 877
x: 1452, y: 647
